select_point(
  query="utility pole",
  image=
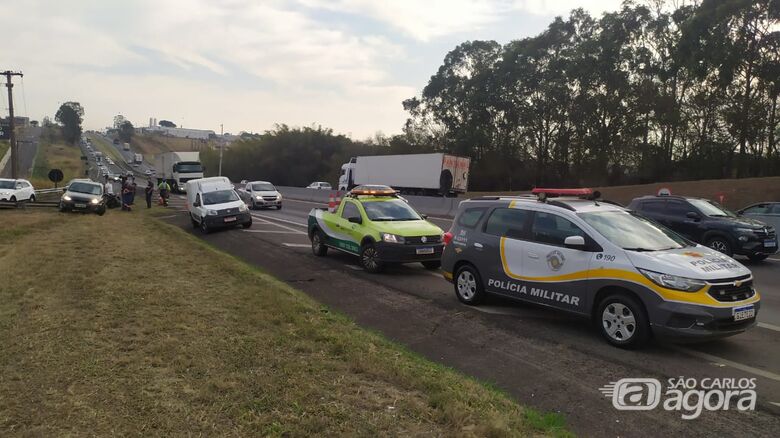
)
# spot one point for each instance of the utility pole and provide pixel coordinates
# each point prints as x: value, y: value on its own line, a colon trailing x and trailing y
x: 221, y: 146
x: 11, y: 124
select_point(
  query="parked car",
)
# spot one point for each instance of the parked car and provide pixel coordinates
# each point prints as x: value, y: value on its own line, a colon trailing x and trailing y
x: 83, y: 195
x: 706, y: 222
x: 214, y: 203
x: 16, y: 190
x: 320, y: 185
x: 260, y: 194
x: 766, y: 212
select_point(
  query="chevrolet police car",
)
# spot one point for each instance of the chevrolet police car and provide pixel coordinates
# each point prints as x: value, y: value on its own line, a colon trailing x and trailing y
x: 372, y: 222
x: 632, y: 276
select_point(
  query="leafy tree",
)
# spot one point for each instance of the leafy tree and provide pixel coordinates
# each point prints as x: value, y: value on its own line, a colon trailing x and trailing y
x: 167, y: 124
x: 69, y: 116
x: 126, y: 131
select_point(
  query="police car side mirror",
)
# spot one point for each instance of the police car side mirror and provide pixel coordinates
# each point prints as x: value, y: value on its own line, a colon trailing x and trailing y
x: 575, y: 242
x: 355, y: 220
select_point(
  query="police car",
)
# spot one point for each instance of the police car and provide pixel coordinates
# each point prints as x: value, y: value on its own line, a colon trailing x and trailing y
x: 567, y: 250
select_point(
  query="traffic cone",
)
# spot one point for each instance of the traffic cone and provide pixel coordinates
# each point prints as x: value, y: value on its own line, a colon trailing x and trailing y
x: 331, y: 203
x: 338, y: 197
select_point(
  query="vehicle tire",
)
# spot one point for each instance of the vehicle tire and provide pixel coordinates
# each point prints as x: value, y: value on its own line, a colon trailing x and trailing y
x: 32, y: 198
x: 468, y: 285
x: 317, y: 246
x: 253, y: 206
x: 278, y: 207
x: 758, y: 257
x: 203, y: 227
x: 369, y: 258
x: 432, y: 264
x: 13, y: 199
x: 194, y: 222
x: 247, y: 225
x: 62, y: 208
x: 101, y: 211
x: 623, y: 321
x: 720, y: 244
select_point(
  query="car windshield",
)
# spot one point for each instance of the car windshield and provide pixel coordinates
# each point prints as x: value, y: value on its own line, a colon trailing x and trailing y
x: 219, y: 197
x: 7, y: 184
x: 633, y: 232
x: 90, y: 189
x: 712, y: 209
x: 391, y: 210
x: 263, y: 187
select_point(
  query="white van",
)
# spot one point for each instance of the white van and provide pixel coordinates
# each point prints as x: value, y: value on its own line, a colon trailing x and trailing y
x: 213, y: 203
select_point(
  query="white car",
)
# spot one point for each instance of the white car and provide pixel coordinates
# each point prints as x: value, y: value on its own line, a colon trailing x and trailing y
x: 16, y: 190
x: 320, y: 185
x: 260, y: 194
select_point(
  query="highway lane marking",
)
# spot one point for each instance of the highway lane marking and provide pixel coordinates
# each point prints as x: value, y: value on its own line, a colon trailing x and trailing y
x: 279, y: 219
x: 769, y: 326
x: 260, y: 218
x: 272, y: 232
x: 719, y: 360
x: 297, y: 245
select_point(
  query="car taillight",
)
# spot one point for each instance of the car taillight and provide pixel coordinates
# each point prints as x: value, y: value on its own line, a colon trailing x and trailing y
x: 447, y: 238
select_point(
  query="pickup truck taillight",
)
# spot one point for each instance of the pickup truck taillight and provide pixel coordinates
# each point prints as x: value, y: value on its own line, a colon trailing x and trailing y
x: 447, y: 238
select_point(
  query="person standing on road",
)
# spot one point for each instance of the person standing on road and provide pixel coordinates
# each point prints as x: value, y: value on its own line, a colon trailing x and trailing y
x: 109, y: 187
x: 127, y: 189
x: 164, y: 189
x: 149, y: 193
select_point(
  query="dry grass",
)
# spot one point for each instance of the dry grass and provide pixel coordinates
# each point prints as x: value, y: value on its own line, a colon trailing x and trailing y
x: 56, y: 156
x: 122, y: 324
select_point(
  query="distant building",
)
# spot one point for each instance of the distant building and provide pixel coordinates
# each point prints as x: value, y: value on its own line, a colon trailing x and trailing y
x: 197, y: 134
x: 20, y: 122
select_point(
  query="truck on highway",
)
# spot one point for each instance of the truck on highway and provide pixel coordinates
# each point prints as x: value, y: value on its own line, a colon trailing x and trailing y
x: 98, y: 157
x: 138, y: 158
x: 434, y: 174
x: 177, y: 168
x: 126, y: 146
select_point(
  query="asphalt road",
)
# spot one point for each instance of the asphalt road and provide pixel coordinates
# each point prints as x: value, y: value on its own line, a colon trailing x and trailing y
x: 543, y: 358
x: 27, y: 139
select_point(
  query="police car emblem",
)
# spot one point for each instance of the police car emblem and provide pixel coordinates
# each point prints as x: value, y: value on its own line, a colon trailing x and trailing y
x: 555, y: 260
x: 423, y: 239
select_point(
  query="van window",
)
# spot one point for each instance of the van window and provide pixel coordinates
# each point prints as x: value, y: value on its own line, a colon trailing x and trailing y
x: 508, y: 222
x: 553, y: 229
x: 471, y: 216
x: 350, y: 210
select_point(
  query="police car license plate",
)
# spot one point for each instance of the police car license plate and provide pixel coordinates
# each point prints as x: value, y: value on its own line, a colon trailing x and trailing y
x: 81, y: 205
x: 424, y: 250
x: 744, y: 312
x: 230, y: 219
x: 769, y: 243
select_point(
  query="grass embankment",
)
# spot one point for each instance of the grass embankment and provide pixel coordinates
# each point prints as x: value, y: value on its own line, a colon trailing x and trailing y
x: 56, y: 155
x: 122, y: 324
x: 4, y: 145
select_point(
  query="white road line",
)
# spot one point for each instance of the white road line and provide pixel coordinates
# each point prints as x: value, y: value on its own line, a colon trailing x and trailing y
x: 297, y: 245
x: 278, y: 225
x: 354, y: 268
x: 769, y: 326
x: 732, y: 364
x: 279, y: 219
x: 272, y: 232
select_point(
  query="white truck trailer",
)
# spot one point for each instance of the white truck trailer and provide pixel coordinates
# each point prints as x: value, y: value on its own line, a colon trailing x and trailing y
x: 177, y: 168
x: 434, y: 174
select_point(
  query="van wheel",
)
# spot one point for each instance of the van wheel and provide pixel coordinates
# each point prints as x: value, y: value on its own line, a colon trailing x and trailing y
x: 203, y: 227
x: 468, y: 285
x: 369, y: 258
x: 720, y: 244
x: 194, y: 222
x: 623, y: 321
x: 247, y: 225
x: 317, y: 244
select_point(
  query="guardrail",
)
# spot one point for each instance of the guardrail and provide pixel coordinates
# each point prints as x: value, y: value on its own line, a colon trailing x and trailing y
x: 430, y: 205
x: 25, y: 204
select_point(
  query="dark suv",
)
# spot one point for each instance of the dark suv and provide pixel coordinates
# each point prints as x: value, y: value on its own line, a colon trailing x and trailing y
x: 708, y: 223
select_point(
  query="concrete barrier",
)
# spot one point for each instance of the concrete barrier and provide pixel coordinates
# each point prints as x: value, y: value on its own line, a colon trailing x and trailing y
x: 433, y: 206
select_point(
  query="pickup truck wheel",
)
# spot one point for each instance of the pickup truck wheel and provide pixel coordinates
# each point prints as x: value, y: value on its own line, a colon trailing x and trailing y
x: 432, y: 264
x: 203, y: 227
x: 369, y: 258
x: 623, y: 321
x: 720, y: 244
x: 317, y: 244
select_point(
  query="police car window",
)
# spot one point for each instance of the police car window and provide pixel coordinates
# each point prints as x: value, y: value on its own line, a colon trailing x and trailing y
x: 350, y: 210
x: 470, y: 217
x: 653, y: 206
x: 553, y: 229
x: 509, y: 222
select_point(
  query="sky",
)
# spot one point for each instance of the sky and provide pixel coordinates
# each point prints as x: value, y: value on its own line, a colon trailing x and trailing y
x: 249, y: 64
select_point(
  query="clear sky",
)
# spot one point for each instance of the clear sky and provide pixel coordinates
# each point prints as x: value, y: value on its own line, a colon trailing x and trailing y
x: 344, y: 64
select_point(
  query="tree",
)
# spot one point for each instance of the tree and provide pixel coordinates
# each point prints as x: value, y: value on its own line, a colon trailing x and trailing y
x: 119, y: 119
x: 167, y: 124
x: 70, y: 116
x: 126, y: 131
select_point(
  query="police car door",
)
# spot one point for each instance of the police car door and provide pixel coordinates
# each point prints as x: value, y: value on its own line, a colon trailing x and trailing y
x: 498, y: 251
x: 558, y: 275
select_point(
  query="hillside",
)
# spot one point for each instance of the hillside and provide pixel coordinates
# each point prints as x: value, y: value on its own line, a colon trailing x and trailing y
x: 152, y: 144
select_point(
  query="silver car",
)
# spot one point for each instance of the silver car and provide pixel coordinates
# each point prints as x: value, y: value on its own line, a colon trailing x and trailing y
x: 766, y: 212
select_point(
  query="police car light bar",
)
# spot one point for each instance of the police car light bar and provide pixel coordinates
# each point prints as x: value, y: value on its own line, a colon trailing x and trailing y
x: 562, y: 192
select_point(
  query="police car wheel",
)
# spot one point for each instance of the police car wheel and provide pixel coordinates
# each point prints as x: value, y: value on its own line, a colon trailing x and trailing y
x: 623, y: 321
x: 369, y: 258
x: 720, y: 244
x: 468, y: 285
x: 317, y: 247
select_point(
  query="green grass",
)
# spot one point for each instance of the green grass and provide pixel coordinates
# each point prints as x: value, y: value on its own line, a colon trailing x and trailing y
x: 56, y: 155
x: 4, y: 145
x: 123, y: 324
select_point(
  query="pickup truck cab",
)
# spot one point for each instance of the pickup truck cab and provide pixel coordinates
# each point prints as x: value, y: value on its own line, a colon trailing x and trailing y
x: 213, y: 203
x: 373, y: 223
x: 260, y: 194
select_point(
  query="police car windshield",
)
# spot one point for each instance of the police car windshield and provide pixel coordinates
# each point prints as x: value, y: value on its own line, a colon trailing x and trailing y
x: 391, y: 210
x: 219, y: 197
x: 633, y: 232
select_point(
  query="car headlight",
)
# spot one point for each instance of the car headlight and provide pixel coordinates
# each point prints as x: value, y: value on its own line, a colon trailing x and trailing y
x: 242, y: 208
x: 95, y: 201
x: 258, y: 197
x: 745, y: 230
x: 66, y: 197
x: 212, y: 212
x: 392, y: 238
x: 673, y: 282
x: 279, y: 197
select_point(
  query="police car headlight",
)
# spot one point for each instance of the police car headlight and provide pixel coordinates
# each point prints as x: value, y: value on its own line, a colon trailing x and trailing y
x: 673, y: 282
x: 392, y: 238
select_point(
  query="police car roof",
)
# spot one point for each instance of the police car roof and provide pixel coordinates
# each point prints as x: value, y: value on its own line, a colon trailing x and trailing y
x: 568, y: 203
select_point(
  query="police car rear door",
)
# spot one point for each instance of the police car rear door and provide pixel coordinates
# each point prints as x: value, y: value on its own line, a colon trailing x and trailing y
x: 500, y: 247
